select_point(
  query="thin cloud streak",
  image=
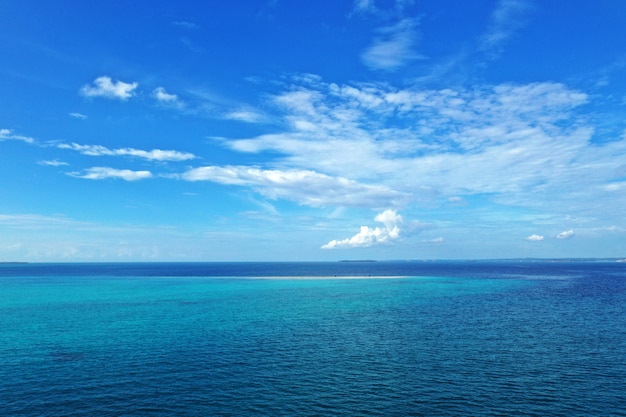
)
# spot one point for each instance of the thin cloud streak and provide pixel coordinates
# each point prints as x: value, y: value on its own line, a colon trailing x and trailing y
x: 244, y: 115
x: 53, y: 163
x: 7, y: 134
x: 186, y: 24
x: 102, y: 173
x: 303, y: 186
x: 152, y: 155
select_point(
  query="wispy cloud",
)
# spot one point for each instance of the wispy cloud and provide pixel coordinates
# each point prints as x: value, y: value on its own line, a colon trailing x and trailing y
x: 348, y: 130
x: 152, y: 155
x: 185, y: 24
x: 43, y: 237
x: 105, y: 87
x: 392, y: 9
x: 367, y: 236
x: 78, y: 116
x: 507, y: 19
x: 535, y: 238
x: 53, y: 163
x: 363, y: 7
x: 245, y: 115
x: 303, y: 186
x: 7, y: 134
x: 435, y: 241
x: 509, y: 143
x: 394, y: 46
x: 101, y: 173
x: 35, y: 221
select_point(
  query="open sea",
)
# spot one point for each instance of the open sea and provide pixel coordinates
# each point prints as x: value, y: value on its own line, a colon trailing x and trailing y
x: 499, y: 338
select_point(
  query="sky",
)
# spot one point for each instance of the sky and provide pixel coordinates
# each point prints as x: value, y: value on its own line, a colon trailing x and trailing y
x: 275, y: 130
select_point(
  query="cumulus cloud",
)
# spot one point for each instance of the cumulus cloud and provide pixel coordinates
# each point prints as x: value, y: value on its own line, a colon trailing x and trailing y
x: 7, y: 134
x: 152, y: 155
x: 394, y: 47
x: 101, y: 173
x: 535, y: 238
x: 566, y: 234
x: 105, y: 87
x: 367, y: 236
x: 166, y: 98
x: 303, y: 186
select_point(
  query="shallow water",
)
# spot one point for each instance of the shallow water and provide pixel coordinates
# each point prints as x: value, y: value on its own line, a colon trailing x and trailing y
x: 449, y: 338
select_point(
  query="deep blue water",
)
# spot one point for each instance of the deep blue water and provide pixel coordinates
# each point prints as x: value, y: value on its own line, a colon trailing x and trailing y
x: 501, y: 338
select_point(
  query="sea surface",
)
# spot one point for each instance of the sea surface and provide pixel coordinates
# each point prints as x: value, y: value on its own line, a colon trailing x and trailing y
x: 500, y: 338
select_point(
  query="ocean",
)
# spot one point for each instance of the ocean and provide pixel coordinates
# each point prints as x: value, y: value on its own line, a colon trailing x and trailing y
x: 462, y: 338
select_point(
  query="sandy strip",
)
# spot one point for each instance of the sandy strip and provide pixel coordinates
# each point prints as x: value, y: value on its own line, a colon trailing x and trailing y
x: 326, y: 277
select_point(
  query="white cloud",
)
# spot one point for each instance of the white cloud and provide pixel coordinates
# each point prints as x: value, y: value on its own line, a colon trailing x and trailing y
x: 7, y: 134
x: 375, y: 145
x: 101, y: 173
x: 53, y: 163
x: 457, y: 200
x: 303, y: 186
x: 505, y: 141
x: 394, y: 47
x: 567, y: 234
x: 535, y: 238
x: 166, y: 98
x: 364, y: 6
x: 434, y: 241
x: 368, y: 236
x: 389, y: 10
x: 244, y: 115
x: 186, y: 24
x: 615, y: 186
x: 34, y: 221
x: 506, y: 20
x: 78, y: 116
x: 152, y: 155
x: 107, y: 88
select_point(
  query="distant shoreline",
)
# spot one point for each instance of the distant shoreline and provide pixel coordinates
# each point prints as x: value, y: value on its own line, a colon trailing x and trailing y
x: 358, y: 260
x: 344, y: 261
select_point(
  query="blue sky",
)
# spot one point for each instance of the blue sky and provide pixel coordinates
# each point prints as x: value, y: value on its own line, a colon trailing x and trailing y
x: 290, y: 131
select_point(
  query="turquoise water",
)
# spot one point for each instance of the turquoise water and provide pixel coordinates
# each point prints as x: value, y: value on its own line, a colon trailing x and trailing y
x: 443, y: 339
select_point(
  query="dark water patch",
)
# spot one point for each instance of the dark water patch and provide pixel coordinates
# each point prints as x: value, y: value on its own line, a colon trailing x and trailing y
x: 65, y: 356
